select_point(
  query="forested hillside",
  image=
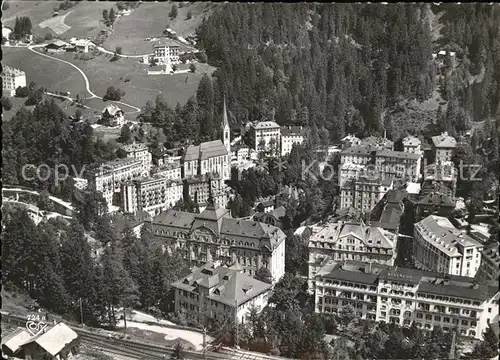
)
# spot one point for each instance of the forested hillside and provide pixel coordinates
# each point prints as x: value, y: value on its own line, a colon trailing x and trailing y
x: 341, y: 65
x: 337, y: 65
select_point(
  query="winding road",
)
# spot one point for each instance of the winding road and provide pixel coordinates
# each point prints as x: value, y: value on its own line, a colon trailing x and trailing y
x: 85, y: 78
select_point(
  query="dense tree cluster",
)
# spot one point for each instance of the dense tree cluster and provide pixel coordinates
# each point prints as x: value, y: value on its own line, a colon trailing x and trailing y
x: 47, y: 136
x: 22, y: 27
x: 113, y: 93
x: 54, y: 263
x: 335, y: 65
x: 472, y: 31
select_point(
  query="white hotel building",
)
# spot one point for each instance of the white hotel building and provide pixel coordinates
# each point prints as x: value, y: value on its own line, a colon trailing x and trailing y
x: 108, y: 178
x: 402, y: 296
x: 139, y: 152
x: 439, y: 246
x: 11, y: 80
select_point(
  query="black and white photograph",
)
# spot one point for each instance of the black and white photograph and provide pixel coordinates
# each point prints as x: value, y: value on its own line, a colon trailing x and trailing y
x: 257, y: 181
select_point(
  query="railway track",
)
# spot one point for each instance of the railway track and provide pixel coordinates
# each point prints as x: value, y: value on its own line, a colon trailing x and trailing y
x: 127, y: 348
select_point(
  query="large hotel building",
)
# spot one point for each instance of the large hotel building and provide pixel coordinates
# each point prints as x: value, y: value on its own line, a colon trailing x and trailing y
x: 402, y: 296
x: 214, y: 236
x: 439, y: 246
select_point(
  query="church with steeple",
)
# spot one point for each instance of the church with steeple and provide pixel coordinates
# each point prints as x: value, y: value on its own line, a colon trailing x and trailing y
x: 207, y: 166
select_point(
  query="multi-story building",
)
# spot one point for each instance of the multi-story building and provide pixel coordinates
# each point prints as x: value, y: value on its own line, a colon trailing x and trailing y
x: 219, y: 293
x: 490, y: 263
x: 364, y: 192
x: 214, y: 236
x: 152, y: 195
x: 139, y: 152
x: 402, y: 296
x: 439, y: 246
x: 109, y: 177
x: 413, y: 145
x: 170, y: 171
x: 11, y: 80
x: 291, y: 135
x: 349, y: 171
x: 265, y: 136
x: 162, y: 156
x: 360, y: 155
x: 200, y: 188
x: 349, y: 240
x: 443, y: 147
x: 166, y: 52
x: 398, y: 164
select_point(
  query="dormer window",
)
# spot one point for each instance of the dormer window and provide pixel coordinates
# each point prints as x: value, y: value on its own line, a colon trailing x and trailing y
x: 217, y: 292
x: 186, y: 281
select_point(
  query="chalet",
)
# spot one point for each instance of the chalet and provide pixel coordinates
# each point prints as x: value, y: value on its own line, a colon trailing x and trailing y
x: 56, y: 46
x: 112, y: 116
x: 57, y: 342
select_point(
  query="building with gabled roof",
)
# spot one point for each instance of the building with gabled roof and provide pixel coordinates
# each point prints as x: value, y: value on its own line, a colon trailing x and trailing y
x: 434, y: 203
x: 218, y: 293
x: 351, y: 240
x: 55, y: 342
x: 211, y: 157
x: 443, y: 147
x: 404, y: 296
x: 412, y: 144
x: 214, y: 236
x: 112, y: 115
x: 439, y: 246
x: 265, y: 136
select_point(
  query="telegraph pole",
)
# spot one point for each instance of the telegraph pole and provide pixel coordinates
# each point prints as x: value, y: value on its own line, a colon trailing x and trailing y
x: 204, y: 343
x: 236, y: 322
x: 452, y: 347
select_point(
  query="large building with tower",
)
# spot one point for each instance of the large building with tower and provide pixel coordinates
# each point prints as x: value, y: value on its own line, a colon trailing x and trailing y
x: 214, y: 236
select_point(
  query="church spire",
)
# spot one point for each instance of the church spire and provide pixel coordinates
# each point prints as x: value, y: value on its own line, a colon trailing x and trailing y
x: 225, y: 122
x: 226, y: 132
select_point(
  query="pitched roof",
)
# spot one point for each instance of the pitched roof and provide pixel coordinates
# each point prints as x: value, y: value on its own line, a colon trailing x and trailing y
x: 481, y: 293
x: 428, y: 282
x: 441, y: 232
x: 361, y: 150
x: 265, y: 125
x: 226, y: 285
x: 411, y: 141
x: 397, y: 154
x: 293, y: 131
x: 252, y: 229
x: 16, y: 339
x: 437, y: 199
x: 205, y: 151
x: 175, y: 218
x: 58, y: 43
x: 371, y: 236
x: 112, y: 109
x: 444, y: 140
x: 55, y: 339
